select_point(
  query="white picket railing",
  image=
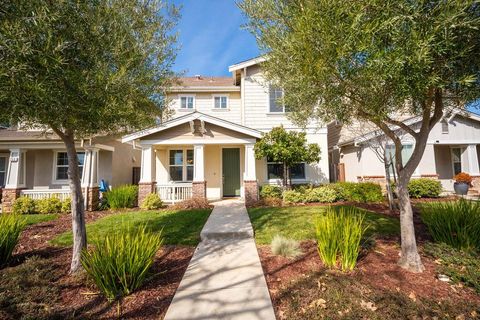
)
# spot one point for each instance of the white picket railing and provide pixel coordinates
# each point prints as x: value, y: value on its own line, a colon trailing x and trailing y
x: 175, y: 192
x: 35, y: 194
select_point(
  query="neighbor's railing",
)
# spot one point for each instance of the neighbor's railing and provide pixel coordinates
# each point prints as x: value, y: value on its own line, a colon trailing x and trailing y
x: 34, y: 194
x: 175, y: 192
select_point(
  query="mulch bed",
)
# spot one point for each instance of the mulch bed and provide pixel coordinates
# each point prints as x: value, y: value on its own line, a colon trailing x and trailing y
x: 78, y: 297
x: 377, y: 269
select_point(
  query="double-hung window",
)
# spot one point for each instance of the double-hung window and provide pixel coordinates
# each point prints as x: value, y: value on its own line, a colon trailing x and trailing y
x: 187, y: 102
x: 457, y: 160
x: 3, y: 170
x: 61, y: 165
x: 220, y: 102
x: 276, y: 104
x: 181, y: 165
x: 275, y: 170
x: 407, y: 151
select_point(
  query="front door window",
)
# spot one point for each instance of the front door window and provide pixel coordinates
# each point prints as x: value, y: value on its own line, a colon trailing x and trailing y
x: 3, y: 170
x: 457, y: 160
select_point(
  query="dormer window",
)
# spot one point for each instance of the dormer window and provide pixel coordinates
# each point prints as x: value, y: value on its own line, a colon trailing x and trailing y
x: 276, y: 104
x: 444, y: 123
x: 220, y: 102
x: 187, y: 102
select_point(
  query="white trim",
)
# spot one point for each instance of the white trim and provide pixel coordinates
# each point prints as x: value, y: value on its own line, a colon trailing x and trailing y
x: 54, y: 170
x: 184, y: 164
x: 168, y: 142
x: 448, y: 142
x: 189, y: 117
x: 453, y: 162
x: 227, y: 106
x: 246, y: 64
x: 186, y: 96
x: 205, y: 89
x: 269, y: 110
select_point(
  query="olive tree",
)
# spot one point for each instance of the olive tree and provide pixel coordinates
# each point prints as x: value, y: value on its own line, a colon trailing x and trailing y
x: 373, y: 60
x: 288, y: 148
x: 83, y: 68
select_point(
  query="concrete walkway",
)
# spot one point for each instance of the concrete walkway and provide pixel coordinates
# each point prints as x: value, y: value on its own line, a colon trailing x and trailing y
x: 224, y: 279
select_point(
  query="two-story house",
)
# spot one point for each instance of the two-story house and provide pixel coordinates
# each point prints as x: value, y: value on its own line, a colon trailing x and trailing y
x: 206, y: 148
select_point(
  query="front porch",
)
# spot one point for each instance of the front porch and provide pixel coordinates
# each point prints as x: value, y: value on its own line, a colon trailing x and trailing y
x: 197, y: 156
x: 39, y: 171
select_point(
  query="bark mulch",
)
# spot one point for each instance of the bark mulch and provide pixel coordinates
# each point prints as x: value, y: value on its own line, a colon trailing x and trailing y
x: 377, y: 270
x: 75, y: 296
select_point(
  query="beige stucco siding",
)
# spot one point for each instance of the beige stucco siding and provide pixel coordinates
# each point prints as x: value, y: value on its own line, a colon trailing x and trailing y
x: 124, y: 158
x: 460, y: 130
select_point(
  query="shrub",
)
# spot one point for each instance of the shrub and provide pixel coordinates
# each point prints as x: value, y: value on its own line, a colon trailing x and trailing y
x: 48, y: 205
x: 122, y: 197
x: 456, y: 223
x: 284, y: 247
x: 458, y: 265
x: 24, y: 205
x: 269, y: 202
x: 11, y: 225
x: 66, y: 205
x: 339, y: 233
x: 321, y: 194
x: 293, y: 196
x: 119, y: 264
x: 194, y: 203
x: 424, y: 188
x: 268, y: 191
x: 358, y: 192
x: 152, y: 202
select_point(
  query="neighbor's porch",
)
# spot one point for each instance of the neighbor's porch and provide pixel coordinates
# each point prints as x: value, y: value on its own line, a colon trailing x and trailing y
x: 38, y: 171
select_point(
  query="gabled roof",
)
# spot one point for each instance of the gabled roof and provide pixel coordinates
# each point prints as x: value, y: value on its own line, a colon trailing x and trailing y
x: 246, y: 63
x: 205, y: 84
x: 190, y: 117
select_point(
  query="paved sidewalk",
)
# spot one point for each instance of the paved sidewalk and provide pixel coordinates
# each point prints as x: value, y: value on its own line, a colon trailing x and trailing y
x: 224, y: 279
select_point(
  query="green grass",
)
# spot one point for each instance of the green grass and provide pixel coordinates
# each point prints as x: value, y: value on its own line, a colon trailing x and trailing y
x: 178, y: 227
x: 298, y: 223
x: 37, y: 218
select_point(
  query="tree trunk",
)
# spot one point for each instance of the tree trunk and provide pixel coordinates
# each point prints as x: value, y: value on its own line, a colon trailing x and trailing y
x: 78, y: 207
x: 285, y: 177
x: 391, y: 204
x: 410, y: 259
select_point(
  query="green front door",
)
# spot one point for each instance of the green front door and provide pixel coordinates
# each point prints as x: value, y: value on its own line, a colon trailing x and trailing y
x: 231, y: 172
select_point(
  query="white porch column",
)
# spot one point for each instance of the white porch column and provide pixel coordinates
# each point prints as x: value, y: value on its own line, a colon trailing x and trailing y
x: 250, y: 170
x: 250, y: 184
x: 147, y: 171
x: 16, y: 169
x: 146, y: 184
x: 199, y: 185
x: 473, y: 166
x: 90, y: 168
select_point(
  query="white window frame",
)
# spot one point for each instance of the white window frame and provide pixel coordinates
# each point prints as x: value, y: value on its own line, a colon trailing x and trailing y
x: 184, y: 165
x: 269, y: 102
x: 405, y: 143
x: 270, y: 181
x: 186, y: 96
x: 55, y: 166
x: 6, y: 157
x: 227, y: 105
x: 453, y: 161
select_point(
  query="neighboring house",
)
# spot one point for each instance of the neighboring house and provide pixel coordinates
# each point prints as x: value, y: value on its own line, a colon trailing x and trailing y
x: 206, y: 149
x: 34, y: 164
x: 453, y: 146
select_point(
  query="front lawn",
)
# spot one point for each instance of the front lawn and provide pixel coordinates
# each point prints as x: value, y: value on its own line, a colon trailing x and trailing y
x: 298, y: 223
x: 31, y: 219
x: 178, y: 227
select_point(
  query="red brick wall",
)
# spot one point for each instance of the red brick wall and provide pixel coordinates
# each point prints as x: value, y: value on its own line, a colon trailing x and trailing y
x: 251, y: 192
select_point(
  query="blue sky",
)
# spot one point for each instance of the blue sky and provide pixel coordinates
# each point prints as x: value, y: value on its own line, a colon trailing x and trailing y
x: 211, y: 37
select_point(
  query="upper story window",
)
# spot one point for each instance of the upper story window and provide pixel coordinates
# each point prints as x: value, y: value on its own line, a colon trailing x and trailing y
x: 276, y: 103
x: 61, y: 165
x: 444, y: 126
x: 187, y: 102
x: 220, y: 102
x: 181, y: 170
x: 3, y: 170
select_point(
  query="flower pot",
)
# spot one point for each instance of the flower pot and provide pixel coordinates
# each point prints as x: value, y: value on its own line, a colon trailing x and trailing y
x: 461, y: 188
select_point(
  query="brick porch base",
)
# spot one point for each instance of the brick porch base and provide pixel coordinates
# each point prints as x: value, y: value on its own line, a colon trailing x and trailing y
x: 251, y: 192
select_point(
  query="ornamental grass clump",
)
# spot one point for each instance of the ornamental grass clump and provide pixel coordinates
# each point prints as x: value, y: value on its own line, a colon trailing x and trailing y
x: 11, y: 225
x: 339, y: 233
x: 122, y: 197
x: 285, y: 247
x: 456, y: 223
x: 120, y: 262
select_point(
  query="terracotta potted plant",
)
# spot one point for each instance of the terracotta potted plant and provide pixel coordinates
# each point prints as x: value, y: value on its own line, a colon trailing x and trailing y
x: 463, y: 181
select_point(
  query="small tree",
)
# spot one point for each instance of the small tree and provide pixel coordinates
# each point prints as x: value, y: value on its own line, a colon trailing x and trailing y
x: 373, y: 60
x: 82, y: 68
x: 287, y: 147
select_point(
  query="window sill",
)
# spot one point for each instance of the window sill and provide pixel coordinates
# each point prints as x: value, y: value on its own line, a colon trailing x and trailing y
x: 220, y: 110
x: 280, y: 181
x: 276, y: 113
x: 186, y: 110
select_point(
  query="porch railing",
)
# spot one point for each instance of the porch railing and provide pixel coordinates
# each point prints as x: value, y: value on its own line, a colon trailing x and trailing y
x: 35, y: 194
x: 172, y: 193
